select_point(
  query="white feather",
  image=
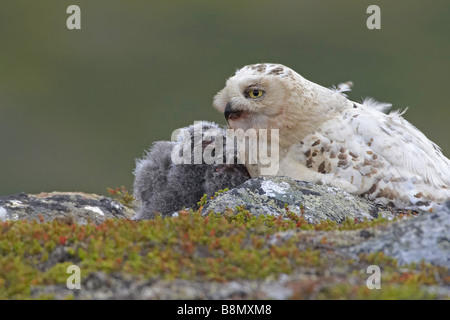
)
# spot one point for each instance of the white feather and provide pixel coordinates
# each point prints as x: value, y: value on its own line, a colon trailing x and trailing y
x: 343, y: 87
x: 380, y: 106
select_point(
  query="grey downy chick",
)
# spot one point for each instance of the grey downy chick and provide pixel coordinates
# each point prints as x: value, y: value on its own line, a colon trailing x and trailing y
x: 162, y: 186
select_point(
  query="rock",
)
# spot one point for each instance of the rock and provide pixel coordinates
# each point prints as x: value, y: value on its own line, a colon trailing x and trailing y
x: 67, y: 206
x: 268, y: 196
x: 101, y: 286
x: 424, y: 237
x: 408, y: 240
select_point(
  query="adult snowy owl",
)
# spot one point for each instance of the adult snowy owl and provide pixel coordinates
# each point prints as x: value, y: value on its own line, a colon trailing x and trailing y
x: 326, y: 138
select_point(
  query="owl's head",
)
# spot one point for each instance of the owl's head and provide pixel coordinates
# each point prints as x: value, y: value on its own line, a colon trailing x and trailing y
x: 254, y: 94
x: 271, y: 96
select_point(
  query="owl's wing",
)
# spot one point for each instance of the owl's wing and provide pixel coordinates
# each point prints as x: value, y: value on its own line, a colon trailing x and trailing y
x: 383, y: 156
x: 402, y: 145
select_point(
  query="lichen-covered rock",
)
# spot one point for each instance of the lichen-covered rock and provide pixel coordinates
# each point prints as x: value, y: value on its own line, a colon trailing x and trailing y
x: 101, y: 286
x: 424, y: 237
x: 68, y: 206
x: 269, y: 195
x: 321, y: 262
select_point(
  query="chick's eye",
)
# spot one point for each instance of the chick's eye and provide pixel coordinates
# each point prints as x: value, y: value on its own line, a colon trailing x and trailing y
x: 255, y: 93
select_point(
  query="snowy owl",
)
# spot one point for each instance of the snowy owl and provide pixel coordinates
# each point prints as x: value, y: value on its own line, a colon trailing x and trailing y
x: 325, y: 138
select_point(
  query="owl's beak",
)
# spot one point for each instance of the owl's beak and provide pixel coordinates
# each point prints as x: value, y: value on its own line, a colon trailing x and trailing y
x: 228, y: 111
x: 231, y: 114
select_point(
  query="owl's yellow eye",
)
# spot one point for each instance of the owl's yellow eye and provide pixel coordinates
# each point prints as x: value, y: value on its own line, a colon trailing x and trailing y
x: 254, y: 93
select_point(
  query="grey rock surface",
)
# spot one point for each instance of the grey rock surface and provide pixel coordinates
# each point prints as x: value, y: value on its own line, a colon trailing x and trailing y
x: 69, y: 206
x: 268, y: 196
x: 408, y: 240
x: 101, y: 286
x: 424, y: 237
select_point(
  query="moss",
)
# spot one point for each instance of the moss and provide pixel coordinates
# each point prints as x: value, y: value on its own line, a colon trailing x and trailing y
x: 235, y: 245
x: 122, y: 195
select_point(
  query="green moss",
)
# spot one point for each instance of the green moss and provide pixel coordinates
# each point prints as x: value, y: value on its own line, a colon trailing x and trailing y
x: 234, y: 245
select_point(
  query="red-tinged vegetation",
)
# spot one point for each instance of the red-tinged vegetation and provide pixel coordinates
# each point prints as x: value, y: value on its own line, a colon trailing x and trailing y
x: 234, y: 246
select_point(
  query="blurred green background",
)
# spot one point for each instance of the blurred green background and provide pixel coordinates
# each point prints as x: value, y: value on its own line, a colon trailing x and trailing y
x: 77, y: 107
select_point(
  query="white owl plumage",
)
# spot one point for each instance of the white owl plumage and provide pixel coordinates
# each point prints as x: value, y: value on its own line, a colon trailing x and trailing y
x: 326, y: 138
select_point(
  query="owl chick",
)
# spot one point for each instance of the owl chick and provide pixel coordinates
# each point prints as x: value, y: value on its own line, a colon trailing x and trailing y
x: 325, y: 138
x: 162, y: 186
